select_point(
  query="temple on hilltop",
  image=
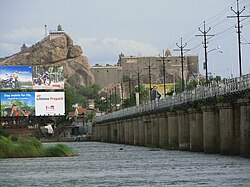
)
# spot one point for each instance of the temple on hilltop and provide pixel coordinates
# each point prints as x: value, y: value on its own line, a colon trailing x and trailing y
x: 55, y: 33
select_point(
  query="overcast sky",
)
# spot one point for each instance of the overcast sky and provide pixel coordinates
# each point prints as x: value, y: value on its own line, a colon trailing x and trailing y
x: 105, y: 28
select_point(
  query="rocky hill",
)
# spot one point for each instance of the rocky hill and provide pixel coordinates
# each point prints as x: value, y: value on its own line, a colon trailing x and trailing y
x: 56, y: 49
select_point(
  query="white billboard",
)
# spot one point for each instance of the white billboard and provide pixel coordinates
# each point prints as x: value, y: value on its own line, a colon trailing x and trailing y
x: 49, y: 103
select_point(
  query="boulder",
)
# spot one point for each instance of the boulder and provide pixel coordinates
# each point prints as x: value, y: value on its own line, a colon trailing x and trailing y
x: 74, y: 51
x: 58, y: 54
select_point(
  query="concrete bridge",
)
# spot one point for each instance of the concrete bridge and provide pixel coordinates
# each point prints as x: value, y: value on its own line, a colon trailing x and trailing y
x: 211, y: 119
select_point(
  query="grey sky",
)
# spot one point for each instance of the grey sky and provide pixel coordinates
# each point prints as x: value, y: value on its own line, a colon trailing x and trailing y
x: 104, y: 28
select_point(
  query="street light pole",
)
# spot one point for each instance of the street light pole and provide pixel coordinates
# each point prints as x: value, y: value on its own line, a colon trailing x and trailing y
x: 205, y: 34
x: 239, y: 26
x: 163, y: 57
x: 182, y: 62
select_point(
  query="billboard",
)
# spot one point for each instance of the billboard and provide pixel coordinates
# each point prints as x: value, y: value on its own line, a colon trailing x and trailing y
x: 49, y: 103
x: 32, y: 103
x: 49, y: 77
x: 160, y: 87
x: 15, y: 77
x: 17, y: 104
x: 31, y: 77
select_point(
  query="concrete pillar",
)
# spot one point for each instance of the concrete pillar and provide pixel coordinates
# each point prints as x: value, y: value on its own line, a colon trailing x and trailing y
x: 155, y: 130
x: 115, y: 132
x: 94, y: 135
x: 100, y: 132
x: 196, y: 129
x: 122, y: 131
x: 226, y: 128
x: 104, y: 132
x: 136, y: 131
x: 172, y: 130
x: 117, y: 137
x: 131, y: 132
x: 244, y: 127
x: 236, y: 117
x: 163, y: 130
x: 147, y: 125
x: 96, y: 132
x: 126, y: 132
x: 141, y: 131
x: 211, y: 129
x: 183, y: 131
x: 109, y: 132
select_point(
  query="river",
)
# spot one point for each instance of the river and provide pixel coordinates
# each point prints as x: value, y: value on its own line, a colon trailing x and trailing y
x: 103, y: 164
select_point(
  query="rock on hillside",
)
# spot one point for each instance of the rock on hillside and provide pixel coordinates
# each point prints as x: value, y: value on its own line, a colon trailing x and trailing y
x: 56, y: 49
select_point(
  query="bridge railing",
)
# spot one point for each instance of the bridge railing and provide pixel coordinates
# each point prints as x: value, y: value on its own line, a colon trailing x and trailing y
x: 225, y: 87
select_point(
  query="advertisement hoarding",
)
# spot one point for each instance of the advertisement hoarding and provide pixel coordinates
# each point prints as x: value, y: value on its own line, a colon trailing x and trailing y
x: 160, y: 87
x: 31, y: 77
x: 49, y: 77
x: 15, y: 77
x: 49, y: 103
x: 17, y: 104
x: 32, y: 103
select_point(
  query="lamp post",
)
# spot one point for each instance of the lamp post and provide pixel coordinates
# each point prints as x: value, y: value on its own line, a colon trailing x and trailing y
x: 173, y: 74
x: 206, y: 64
x: 163, y: 57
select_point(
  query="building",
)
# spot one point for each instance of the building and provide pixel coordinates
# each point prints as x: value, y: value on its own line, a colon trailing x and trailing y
x: 107, y: 75
x: 131, y: 65
x: 149, y: 69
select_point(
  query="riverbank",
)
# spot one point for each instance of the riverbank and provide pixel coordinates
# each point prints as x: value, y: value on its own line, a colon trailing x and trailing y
x: 80, y: 138
x: 31, y: 147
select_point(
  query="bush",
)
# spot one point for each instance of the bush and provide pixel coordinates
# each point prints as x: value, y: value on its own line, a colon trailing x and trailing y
x: 31, y: 147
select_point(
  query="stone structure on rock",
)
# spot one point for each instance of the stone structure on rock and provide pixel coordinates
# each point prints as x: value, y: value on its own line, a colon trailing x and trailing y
x: 55, y: 49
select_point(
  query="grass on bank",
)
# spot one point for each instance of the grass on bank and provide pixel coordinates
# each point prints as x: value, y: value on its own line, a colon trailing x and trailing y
x: 31, y: 147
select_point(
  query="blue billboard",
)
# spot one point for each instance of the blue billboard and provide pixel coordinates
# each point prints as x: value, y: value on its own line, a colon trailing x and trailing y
x: 15, y: 77
x: 17, y: 104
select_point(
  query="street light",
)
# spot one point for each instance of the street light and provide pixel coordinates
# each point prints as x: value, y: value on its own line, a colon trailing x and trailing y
x: 205, y: 64
x: 174, y: 82
x: 212, y: 59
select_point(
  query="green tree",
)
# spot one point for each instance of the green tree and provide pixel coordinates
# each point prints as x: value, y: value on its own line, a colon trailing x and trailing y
x: 102, y: 104
x: 73, y: 97
x: 89, y: 116
x: 144, y: 96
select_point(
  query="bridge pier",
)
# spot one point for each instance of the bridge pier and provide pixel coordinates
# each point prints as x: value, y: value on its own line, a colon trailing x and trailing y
x: 196, y: 129
x: 108, y: 135
x: 147, y: 124
x: 226, y: 128
x: 141, y: 131
x: 131, y: 132
x: 244, y: 127
x: 236, y: 131
x: 183, y: 131
x: 121, y: 132
x: 136, y: 131
x: 126, y: 131
x: 172, y: 130
x: 155, y: 130
x: 211, y: 129
x: 118, y: 140
x: 163, y: 130
x: 112, y: 130
x: 98, y: 130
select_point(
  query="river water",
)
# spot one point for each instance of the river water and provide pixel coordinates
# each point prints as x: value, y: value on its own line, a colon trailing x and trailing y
x: 103, y: 164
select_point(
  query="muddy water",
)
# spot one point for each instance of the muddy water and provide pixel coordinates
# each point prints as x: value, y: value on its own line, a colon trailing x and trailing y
x: 102, y: 164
